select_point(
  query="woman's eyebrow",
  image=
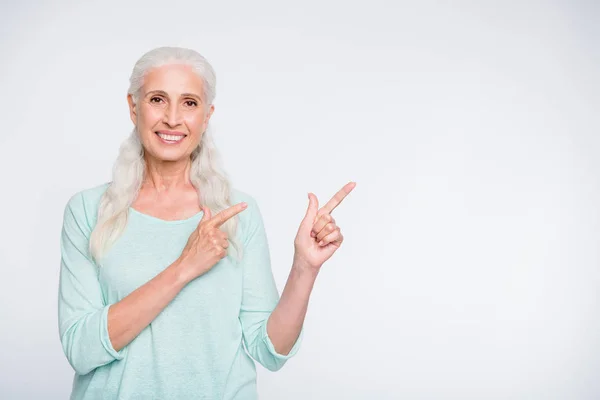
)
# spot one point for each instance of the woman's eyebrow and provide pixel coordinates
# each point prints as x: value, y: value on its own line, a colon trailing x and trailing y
x: 163, y: 93
x: 192, y: 95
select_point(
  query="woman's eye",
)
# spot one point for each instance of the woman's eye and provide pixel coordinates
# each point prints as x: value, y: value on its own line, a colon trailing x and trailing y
x: 191, y: 103
x: 152, y: 100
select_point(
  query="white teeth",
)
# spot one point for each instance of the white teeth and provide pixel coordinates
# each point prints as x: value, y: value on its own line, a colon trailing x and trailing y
x: 174, y: 138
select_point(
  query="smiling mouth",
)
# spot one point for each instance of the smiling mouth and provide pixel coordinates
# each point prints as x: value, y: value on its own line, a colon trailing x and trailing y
x: 170, y: 138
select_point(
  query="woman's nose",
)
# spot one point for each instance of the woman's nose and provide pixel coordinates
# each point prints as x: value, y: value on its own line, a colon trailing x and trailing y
x: 172, y: 115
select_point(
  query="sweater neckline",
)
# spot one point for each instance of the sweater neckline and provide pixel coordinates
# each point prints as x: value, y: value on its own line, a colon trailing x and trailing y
x: 165, y: 221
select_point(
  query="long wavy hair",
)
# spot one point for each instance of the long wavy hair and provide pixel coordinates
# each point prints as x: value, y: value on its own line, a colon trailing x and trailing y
x: 129, y: 168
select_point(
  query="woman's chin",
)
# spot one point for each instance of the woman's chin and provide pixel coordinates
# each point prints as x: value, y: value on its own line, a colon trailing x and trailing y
x: 169, y: 154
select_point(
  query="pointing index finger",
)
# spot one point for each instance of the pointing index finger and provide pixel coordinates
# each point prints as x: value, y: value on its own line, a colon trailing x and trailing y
x: 337, y: 198
x: 220, y: 218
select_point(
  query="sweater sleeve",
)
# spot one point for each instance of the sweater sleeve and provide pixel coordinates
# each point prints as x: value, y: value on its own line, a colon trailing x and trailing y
x: 260, y: 295
x: 82, y: 312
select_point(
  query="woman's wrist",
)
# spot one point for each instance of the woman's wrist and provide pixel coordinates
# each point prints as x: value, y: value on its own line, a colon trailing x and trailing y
x: 302, y: 268
x: 182, y: 271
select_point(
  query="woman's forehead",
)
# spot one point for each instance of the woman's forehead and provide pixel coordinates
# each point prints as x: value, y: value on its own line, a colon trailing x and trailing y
x: 173, y: 79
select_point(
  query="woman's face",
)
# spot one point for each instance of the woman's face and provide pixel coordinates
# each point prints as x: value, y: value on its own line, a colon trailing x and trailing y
x: 171, y: 114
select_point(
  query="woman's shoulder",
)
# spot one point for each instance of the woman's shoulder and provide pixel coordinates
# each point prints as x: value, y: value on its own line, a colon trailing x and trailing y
x: 254, y: 205
x: 237, y: 196
x: 88, y: 196
x: 252, y: 214
x: 85, y: 202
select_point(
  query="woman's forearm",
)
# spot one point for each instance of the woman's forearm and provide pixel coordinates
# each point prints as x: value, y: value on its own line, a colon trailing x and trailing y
x: 128, y: 317
x: 286, y: 320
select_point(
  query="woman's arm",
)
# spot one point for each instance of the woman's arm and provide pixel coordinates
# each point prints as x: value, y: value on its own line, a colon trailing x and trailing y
x: 131, y: 315
x: 128, y: 317
x: 286, y: 320
x: 317, y: 239
x: 92, y: 332
x: 260, y: 296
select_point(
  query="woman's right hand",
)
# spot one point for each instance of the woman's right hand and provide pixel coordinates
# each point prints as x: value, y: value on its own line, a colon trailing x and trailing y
x: 207, y: 244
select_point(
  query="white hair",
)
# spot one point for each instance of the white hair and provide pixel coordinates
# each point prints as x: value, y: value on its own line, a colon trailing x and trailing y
x: 130, y: 167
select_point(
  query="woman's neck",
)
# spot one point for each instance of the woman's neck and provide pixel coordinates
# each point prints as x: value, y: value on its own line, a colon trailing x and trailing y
x: 167, y: 175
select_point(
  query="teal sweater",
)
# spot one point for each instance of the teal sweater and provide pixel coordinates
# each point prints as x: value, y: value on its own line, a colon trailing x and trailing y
x: 194, y: 349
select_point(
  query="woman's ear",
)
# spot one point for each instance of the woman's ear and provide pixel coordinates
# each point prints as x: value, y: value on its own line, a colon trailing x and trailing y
x: 132, y: 112
x: 211, y: 109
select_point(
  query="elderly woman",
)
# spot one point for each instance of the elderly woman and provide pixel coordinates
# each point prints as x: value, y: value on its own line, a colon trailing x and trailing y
x: 165, y: 271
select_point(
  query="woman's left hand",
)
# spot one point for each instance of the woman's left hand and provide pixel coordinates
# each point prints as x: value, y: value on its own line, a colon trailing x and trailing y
x: 318, y: 236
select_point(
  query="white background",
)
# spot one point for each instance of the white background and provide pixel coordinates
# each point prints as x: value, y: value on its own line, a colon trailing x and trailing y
x: 470, y: 267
